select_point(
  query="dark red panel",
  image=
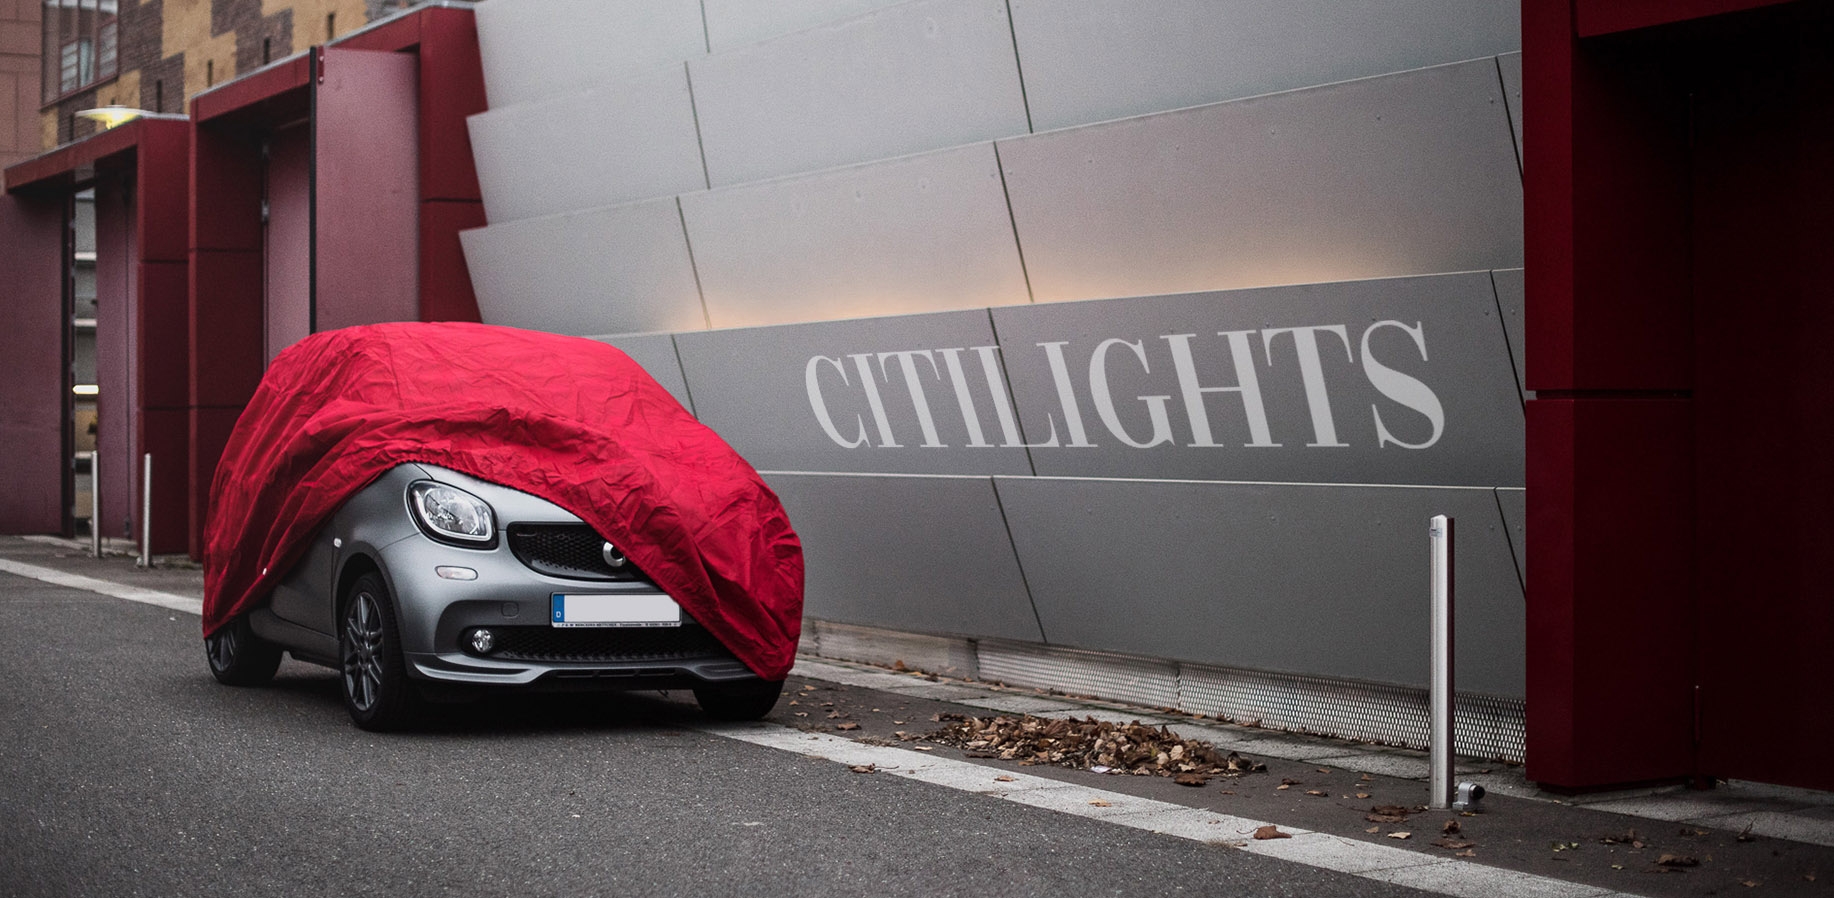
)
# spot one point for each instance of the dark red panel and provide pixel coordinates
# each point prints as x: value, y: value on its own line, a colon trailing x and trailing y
x: 1764, y: 218
x: 451, y: 89
x: 1610, y: 679
x: 287, y: 300
x: 117, y: 351
x: 1606, y: 213
x: 1598, y: 17
x: 164, y: 181
x: 397, y: 34
x: 445, y: 281
x: 208, y: 433
x: 225, y: 190
x: 367, y: 227
x: 31, y: 369
x: 165, y: 433
x: 164, y: 335
x: 225, y: 321
x: 264, y: 86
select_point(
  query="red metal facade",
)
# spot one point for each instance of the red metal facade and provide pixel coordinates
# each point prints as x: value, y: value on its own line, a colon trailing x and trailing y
x: 1668, y: 283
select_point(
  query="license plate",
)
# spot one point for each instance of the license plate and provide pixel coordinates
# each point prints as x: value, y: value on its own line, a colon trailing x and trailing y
x: 615, y: 611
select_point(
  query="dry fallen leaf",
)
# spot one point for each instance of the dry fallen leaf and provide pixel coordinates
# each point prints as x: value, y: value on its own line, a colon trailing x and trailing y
x: 1320, y: 794
x: 1362, y: 794
x: 1677, y: 860
x: 1283, y: 787
x: 1466, y: 853
x: 1401, y: 835
x: 1271, y: 831
x: 1454, y: 844
x: 1373, y: 829
x: 1451, y: 828
x: 864, y: 768
x: 1098, y: 803
x: 1003, y: 779
x: 1191, y: 779
x: 1751, y: 883
x: 846, y: 726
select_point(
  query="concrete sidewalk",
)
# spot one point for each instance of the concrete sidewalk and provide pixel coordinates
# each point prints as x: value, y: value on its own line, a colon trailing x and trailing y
x: 1741, y: 835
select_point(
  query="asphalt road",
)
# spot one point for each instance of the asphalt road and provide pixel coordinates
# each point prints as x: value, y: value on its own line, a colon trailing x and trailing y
x: 129, y: 771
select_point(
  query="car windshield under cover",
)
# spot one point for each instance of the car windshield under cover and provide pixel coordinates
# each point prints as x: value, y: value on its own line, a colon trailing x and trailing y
x: 570, y: 420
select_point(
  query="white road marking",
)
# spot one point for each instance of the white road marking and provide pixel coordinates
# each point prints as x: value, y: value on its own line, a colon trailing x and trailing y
x: 1356, y: 857
x: 115, y: 590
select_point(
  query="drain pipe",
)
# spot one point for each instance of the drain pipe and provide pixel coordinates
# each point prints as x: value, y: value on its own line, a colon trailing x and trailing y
x: 146, y: 510
x: 95, y: 503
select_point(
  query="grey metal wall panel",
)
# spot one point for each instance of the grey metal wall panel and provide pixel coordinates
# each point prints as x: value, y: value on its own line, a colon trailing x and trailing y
x: 1403, y: 174
x: 1317, y: 580
x: 543, y: 158
x: 760, y: 388
x: 1091, y: 60
x: 1514, y: 505
x: 1511, y: 299
x: 1398, y: 381
x: 735, y: 23
x: 918, y: 234
x: 1510, y: 66
x: 623, y: 269
x: 656, y: 353
x: 533, y: 49
x: 929, y: 554
x: 912, y: 77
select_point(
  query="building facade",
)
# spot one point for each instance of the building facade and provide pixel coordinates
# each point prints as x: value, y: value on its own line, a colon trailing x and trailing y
x: 1121, y: 348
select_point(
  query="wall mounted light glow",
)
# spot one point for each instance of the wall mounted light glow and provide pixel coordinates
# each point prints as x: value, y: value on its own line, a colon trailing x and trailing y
x: 107, y: 117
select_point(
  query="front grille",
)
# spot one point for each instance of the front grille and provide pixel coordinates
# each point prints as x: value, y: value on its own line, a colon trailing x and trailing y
x: 606, y: 644
x: 566, y: 550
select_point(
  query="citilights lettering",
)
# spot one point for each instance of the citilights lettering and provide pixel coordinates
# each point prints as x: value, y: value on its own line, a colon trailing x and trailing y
x: 1203, y: 369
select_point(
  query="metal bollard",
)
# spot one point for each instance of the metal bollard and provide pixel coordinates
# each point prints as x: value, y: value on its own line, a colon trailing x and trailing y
x: 95, y: 503
x: 146, y: 511
x: 1441, y: 740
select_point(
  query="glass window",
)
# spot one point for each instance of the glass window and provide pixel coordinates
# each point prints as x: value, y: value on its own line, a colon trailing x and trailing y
x: 80, y: 42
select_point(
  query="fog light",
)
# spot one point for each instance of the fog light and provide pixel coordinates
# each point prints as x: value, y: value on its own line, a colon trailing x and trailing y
x: 455, y: 573
x: 483, y: 641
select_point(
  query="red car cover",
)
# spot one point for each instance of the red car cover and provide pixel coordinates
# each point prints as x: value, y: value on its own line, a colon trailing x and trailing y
x: 571, y: 420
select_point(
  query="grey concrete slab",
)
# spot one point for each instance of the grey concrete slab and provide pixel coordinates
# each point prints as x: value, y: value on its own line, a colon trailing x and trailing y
x: 904, y: 395
x: 1321, y: 580
x: 941, y: 561
x: 656, y: 353
x: 1509, y: 66
x: 622, y: 269
x: 901, y: 79
x: 1403, y: 174
x: 1512, y: 300
x: 1400, y: 380
x: 1117, y: 58
x: 735, y: 23
x: 618, y: 142
x: 1513, y: 503
x: 533, y: 49
x: 924, y: 233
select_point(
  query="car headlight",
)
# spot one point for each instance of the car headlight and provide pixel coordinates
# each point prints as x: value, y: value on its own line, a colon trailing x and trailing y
x: 451, y: 515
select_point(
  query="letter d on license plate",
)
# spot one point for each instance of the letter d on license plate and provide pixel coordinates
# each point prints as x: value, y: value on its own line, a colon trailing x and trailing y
x: 615, y: 611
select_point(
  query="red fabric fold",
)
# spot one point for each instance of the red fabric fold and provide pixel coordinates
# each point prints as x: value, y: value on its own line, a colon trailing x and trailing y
x: 571, y: 420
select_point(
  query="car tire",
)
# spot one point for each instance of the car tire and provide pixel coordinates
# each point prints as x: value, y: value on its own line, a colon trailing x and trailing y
x: 238, y: 657
x: 741, y: 701
x: 374, y: 678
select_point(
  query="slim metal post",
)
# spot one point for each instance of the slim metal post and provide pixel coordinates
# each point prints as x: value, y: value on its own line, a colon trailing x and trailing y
x: 1441, y: 741
x: 146, y: 510
x: 95, y: 503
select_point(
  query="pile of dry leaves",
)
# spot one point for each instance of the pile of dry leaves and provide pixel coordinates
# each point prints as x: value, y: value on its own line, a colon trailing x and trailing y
x: 1091, y: 744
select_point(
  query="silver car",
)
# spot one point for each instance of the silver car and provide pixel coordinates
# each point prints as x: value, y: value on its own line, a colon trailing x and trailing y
x: 432, y: 584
